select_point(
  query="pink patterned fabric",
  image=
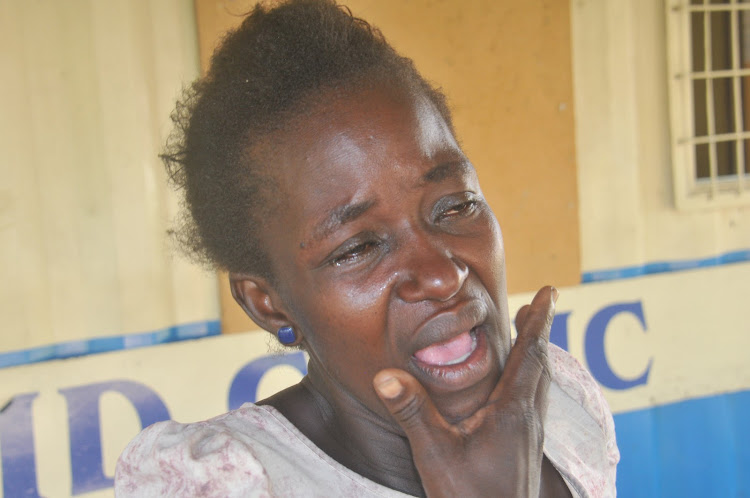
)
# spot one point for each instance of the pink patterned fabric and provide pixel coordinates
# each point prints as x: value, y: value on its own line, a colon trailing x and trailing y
x: 255, y: 452
x: 579, y: 432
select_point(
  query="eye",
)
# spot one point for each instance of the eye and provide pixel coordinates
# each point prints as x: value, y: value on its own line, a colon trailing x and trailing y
x: 455, y: 209
x: 355, y: 253
x: 458, y: 209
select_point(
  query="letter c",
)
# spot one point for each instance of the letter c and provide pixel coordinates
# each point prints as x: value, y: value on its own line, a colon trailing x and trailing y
x: 244, y: 387
x: 594, y: 346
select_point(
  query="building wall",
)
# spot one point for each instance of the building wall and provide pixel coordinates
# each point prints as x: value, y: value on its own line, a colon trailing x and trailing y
x: 84, y: 206
x: 627, y: 211
x: 679, y: 432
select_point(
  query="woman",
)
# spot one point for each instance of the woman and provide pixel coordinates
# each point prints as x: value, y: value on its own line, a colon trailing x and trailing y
x: 323, y: 173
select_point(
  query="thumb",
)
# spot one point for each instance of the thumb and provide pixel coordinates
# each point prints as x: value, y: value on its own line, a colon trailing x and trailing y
x: 410, y: 406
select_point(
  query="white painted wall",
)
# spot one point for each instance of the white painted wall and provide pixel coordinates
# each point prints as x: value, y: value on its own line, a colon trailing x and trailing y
x: 87, y: 88
x: 627, y: 211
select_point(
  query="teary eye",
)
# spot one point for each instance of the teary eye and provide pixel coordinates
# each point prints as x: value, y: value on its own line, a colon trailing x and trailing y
x: 462, y: 208
x: 453, y: 208
x: 354, y: 253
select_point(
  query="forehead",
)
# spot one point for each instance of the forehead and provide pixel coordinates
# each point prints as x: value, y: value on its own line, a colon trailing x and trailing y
x: 364, y: 132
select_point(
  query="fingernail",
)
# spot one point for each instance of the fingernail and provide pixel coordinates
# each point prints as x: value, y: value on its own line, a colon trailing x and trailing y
x: 390, y: 387
x: 555, y: 293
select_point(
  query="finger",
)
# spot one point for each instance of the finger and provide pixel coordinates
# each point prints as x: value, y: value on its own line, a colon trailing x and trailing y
x: 541, y: 400
x: 521, y: 317
x: 528, y: 356
x: 411, y: 407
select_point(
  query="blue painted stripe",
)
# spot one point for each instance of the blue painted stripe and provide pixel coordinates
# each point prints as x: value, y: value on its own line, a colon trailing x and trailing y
x: 693, y: 448
x: 664, y: 267
x: 194, y: 330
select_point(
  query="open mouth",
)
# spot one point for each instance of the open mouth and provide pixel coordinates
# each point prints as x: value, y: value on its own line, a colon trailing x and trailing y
x: 449, y: 352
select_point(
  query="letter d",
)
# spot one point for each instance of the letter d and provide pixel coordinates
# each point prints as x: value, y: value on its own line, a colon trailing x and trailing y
x: 85, y: 427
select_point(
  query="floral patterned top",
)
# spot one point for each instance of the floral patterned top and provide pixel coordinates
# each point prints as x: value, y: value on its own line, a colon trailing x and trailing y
x: 255, y: 451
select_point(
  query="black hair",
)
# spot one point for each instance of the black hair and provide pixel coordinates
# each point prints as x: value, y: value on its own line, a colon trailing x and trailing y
x: 260, y: 78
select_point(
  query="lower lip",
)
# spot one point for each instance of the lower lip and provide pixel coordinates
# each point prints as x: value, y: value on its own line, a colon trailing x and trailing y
x: 460, y: 375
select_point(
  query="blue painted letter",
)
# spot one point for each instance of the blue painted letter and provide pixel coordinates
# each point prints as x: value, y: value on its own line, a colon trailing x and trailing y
x: 17, y: 447
x: 594, y: 346
x: 84, y: 420
x: 244, y: 387
x: 558, y: 334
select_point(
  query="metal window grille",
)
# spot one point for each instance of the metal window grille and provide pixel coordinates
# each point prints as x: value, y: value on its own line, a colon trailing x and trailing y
x: 709, y: 83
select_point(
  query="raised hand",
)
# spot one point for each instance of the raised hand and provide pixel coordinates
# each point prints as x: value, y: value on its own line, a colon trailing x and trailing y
x: 498, y: 450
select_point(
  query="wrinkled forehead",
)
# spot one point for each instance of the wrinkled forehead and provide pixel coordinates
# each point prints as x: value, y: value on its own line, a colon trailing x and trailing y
x: 346, y: 130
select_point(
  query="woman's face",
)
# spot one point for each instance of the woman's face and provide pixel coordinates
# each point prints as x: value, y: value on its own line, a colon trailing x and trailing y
x: 385, y: 252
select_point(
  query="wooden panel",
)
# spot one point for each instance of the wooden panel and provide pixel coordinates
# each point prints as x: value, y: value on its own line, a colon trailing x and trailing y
x: 506, y: 68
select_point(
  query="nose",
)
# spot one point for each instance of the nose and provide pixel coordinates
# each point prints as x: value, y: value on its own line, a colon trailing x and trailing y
x: 430, y: 272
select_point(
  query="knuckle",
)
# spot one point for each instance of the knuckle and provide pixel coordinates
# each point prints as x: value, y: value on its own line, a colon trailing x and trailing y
x: 521, y: 408
x: 538, y: 350
x: 546, y: 375
x: 531, y: 425
x: 409, y: 410
x: 524, y: 411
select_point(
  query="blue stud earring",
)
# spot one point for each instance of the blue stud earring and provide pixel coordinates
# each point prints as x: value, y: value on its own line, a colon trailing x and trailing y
x: 286, y: 335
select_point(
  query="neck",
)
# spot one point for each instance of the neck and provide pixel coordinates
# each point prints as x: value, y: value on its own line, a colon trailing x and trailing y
x: 350, y: 433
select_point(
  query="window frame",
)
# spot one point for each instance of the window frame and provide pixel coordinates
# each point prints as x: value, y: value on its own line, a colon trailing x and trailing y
x: 691, y: 192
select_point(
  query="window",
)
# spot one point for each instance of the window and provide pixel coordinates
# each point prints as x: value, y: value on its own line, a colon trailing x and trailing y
x: 709, y: 86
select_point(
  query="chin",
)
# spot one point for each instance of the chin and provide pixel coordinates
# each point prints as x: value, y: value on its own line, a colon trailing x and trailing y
x: 461, y: 405
x: 457, y: 411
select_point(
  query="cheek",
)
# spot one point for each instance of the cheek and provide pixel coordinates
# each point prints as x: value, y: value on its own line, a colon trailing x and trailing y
x: 486, y: 255
x: 495, y: 242
x: 485, y: 247
x: 344, y: 319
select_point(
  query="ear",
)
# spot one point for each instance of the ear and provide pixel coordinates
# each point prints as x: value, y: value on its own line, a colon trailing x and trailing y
x: 259, y: 301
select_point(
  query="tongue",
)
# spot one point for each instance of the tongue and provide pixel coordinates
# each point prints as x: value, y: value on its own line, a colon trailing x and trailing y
x: 445, y: 352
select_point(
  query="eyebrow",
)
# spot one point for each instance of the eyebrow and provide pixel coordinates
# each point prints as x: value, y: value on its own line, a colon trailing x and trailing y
x: 453, y: 169
x: 340, y: 216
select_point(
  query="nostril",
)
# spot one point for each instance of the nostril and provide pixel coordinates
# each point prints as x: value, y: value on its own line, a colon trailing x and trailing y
x: 462, y: 267
x: 435, y: 278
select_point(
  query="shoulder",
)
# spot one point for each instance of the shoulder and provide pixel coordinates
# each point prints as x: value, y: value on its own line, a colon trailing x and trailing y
x: 200, y: 459
x: 253, y: 451
x: 579, y: 429
x: 578, y: 384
